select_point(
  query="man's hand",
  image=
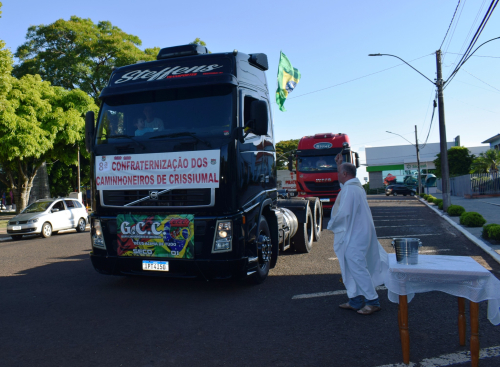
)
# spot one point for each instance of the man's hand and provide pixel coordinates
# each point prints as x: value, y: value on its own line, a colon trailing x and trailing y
x: 339, y: 160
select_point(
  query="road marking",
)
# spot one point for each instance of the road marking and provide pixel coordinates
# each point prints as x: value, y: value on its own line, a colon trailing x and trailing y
x: 332, y: 258
x: 438, y: 250
x: 409, y: 225
x: 399, y: 216
x: 326, y: 294
x: 390, y: 220
x: 410, y: 236
x: 450, y: 359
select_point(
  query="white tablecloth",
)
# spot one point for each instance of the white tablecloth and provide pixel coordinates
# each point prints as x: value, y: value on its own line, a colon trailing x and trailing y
x: 460, y: 276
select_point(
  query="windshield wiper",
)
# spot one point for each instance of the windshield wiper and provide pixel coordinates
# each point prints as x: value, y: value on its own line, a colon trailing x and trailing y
x: 183, y: 133
x: 127, y: 137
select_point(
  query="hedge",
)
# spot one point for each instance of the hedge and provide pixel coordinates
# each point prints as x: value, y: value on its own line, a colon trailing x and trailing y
x: 491, y: 231
x: 437, y: 201
x: 456, y: 210
x: 421, y: 194
x: 431, y: 199
x: 440, y: 205
x: 472, y: 219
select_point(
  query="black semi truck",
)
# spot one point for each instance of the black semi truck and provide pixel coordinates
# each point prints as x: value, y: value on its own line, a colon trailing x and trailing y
x: 184, y: 170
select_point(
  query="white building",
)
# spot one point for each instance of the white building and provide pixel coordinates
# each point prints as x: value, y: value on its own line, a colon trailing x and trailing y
x: 397, y: 163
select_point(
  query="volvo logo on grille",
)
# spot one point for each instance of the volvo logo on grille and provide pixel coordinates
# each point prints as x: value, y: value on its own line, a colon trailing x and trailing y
x: 17, y: 222
x: 153, y: 195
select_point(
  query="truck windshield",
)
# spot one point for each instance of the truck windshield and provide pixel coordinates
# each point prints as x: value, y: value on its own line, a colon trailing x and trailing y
x: 203, y: 113
x: 320, y: 163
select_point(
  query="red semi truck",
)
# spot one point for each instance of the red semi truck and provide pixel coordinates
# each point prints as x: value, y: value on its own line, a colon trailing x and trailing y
x: 316, y: 168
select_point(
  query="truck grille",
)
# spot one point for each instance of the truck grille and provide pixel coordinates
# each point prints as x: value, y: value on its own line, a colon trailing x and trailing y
x: 322, y: 186
x: 191, y: 197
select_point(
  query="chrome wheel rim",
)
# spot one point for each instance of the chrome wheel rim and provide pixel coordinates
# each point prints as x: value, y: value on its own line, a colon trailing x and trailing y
x: 47, y: 230
x: 265, y: 249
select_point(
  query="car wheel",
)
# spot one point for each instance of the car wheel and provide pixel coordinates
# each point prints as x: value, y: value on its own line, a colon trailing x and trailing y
x: 264, y: 252
x: 46, y: 230
x: 404, y: 194
x: 395, y: 193
x: 81, y: 225
x: 386, y: 194
x: 17, y: 237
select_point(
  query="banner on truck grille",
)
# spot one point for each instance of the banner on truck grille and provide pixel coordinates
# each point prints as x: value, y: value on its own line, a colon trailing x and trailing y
x: 169, y: 236
x: 187, y: 170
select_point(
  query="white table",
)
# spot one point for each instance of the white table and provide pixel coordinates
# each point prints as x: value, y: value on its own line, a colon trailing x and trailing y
x: 460, y: 276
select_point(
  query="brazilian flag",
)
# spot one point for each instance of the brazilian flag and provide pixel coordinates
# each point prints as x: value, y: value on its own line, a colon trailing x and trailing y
x: 288, y: 77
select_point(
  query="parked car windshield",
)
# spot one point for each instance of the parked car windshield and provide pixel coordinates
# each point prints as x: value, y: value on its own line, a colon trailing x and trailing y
x: 37, y: 207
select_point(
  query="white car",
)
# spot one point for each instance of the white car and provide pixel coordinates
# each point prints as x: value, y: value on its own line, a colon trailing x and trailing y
x: 47, y: 216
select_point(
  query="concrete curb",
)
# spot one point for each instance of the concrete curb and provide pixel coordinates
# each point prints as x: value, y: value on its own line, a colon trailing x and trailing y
x: 467, y: 234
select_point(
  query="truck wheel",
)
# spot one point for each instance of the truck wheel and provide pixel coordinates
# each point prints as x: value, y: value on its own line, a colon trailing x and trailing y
x: 317, y: 214
x: 302, y: 241
x: 264, y: 247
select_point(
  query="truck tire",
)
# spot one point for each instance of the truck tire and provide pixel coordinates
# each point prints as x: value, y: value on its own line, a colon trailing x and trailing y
x: 264, y: 248
x: 302, y: 241
x: 317, y: 213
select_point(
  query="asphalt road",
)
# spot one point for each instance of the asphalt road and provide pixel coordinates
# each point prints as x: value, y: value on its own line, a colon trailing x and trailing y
x: 55, y: 310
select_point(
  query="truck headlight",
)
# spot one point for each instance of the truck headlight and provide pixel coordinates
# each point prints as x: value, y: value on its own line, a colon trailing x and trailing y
x: 97, y: 236
x: 223, y: 236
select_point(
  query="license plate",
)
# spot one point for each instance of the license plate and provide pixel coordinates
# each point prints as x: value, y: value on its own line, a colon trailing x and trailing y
x: 324, y: 200
x: 16, y: 228
x: 155, y: 265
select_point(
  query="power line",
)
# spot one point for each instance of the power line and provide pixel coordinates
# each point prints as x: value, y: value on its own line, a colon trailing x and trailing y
x: 432, y: 119
x: 492, y: 57
x: 352, y: 80
x: 481, y: 80
x: 455, y: 27
x: 450, y: 24
x: 470, y: 30
x: 474, y: 39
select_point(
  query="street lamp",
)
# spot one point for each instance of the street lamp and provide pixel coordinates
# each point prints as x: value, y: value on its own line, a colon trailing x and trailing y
x: 439, y: 83
x: 418, y: 156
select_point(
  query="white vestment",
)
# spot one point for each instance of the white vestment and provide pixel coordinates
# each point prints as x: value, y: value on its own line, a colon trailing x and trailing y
x: 363, y: 261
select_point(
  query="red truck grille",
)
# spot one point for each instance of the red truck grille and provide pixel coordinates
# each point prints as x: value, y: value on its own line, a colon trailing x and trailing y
x: 322, y: 186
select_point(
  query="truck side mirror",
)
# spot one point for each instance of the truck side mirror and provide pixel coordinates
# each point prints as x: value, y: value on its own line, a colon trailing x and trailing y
x: 290, y: 163
x: 89, y: 130
x: 260, y: 117
x: 357, y: 159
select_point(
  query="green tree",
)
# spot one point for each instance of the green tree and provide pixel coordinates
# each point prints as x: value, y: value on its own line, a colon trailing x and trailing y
x: 5, y: 72
x: 459, y: 161
x: 77, y: 53
x: 283, y: 150
x: 487, y: 162
x: 40, y: 123
x: 63, y: 177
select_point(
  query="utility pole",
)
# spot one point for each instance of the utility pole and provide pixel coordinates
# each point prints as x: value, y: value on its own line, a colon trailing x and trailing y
x: 418, y: 162
x: 445, y: 173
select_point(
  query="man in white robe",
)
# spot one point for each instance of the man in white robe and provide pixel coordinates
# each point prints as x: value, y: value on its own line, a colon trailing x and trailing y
x: 362, y: 259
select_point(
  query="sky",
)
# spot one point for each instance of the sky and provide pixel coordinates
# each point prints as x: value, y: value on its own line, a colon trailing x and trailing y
x: 342, y: 90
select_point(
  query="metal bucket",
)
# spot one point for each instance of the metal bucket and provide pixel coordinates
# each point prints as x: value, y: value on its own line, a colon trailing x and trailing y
x: 406, y: 250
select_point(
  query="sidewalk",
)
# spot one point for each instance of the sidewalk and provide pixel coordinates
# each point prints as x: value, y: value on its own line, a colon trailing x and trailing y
x: 6, y: 216
x: 489, y: 208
